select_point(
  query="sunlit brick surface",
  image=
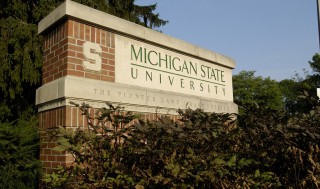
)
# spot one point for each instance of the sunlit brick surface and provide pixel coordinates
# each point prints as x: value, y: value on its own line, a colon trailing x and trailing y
x: 63, y: 52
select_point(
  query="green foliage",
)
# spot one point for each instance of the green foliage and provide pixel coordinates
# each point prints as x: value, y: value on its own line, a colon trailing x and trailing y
x: 19, y: 149
x: 98, y: 151
x: 127, y: 9
x: 287, y: 148
x: 288, y: 94
x: 294, y: 89
x: 313, y: 80
x: 261, y: 149
x: 21, y: 55
x: 315, y: 64
x: 250, y: 89
x: 20, y: 65
x: 177, y: 155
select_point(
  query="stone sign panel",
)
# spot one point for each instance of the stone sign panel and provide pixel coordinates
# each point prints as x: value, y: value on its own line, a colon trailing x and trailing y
x: 142, y: 64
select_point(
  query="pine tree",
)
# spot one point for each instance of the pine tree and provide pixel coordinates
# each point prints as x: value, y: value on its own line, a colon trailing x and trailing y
x: 127, y: 9
x: 20, y: 58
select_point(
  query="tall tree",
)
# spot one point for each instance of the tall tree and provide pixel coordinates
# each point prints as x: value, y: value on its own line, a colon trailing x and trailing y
x: 295, y: 89
x: 143, y: 15
x: 21, y: 47
x: 250, y: 90
x: 314, y: 78
x: 20, y: 57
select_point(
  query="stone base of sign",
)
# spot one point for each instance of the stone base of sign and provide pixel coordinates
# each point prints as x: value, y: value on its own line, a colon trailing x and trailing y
x: 61, y: 92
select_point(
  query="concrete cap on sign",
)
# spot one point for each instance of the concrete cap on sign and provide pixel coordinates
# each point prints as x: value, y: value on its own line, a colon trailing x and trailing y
x: 124, y: 27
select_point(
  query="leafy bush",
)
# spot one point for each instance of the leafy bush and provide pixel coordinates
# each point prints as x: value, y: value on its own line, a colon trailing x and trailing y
x: 262, y: 148
x: 19, y: 149
x: 289, y: 147
x: 191, y: 153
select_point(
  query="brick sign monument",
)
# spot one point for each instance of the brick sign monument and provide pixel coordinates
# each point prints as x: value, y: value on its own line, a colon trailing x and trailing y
x: 93, y: 57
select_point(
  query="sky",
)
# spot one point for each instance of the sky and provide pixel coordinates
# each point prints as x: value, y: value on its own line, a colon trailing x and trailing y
x: 275, y: 38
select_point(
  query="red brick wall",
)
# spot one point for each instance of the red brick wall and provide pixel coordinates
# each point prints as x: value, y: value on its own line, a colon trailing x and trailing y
x: 63, y: 51
x: 68, y: 117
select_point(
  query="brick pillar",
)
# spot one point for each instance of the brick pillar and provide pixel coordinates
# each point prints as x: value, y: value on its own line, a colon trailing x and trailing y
x: 63, y: 56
